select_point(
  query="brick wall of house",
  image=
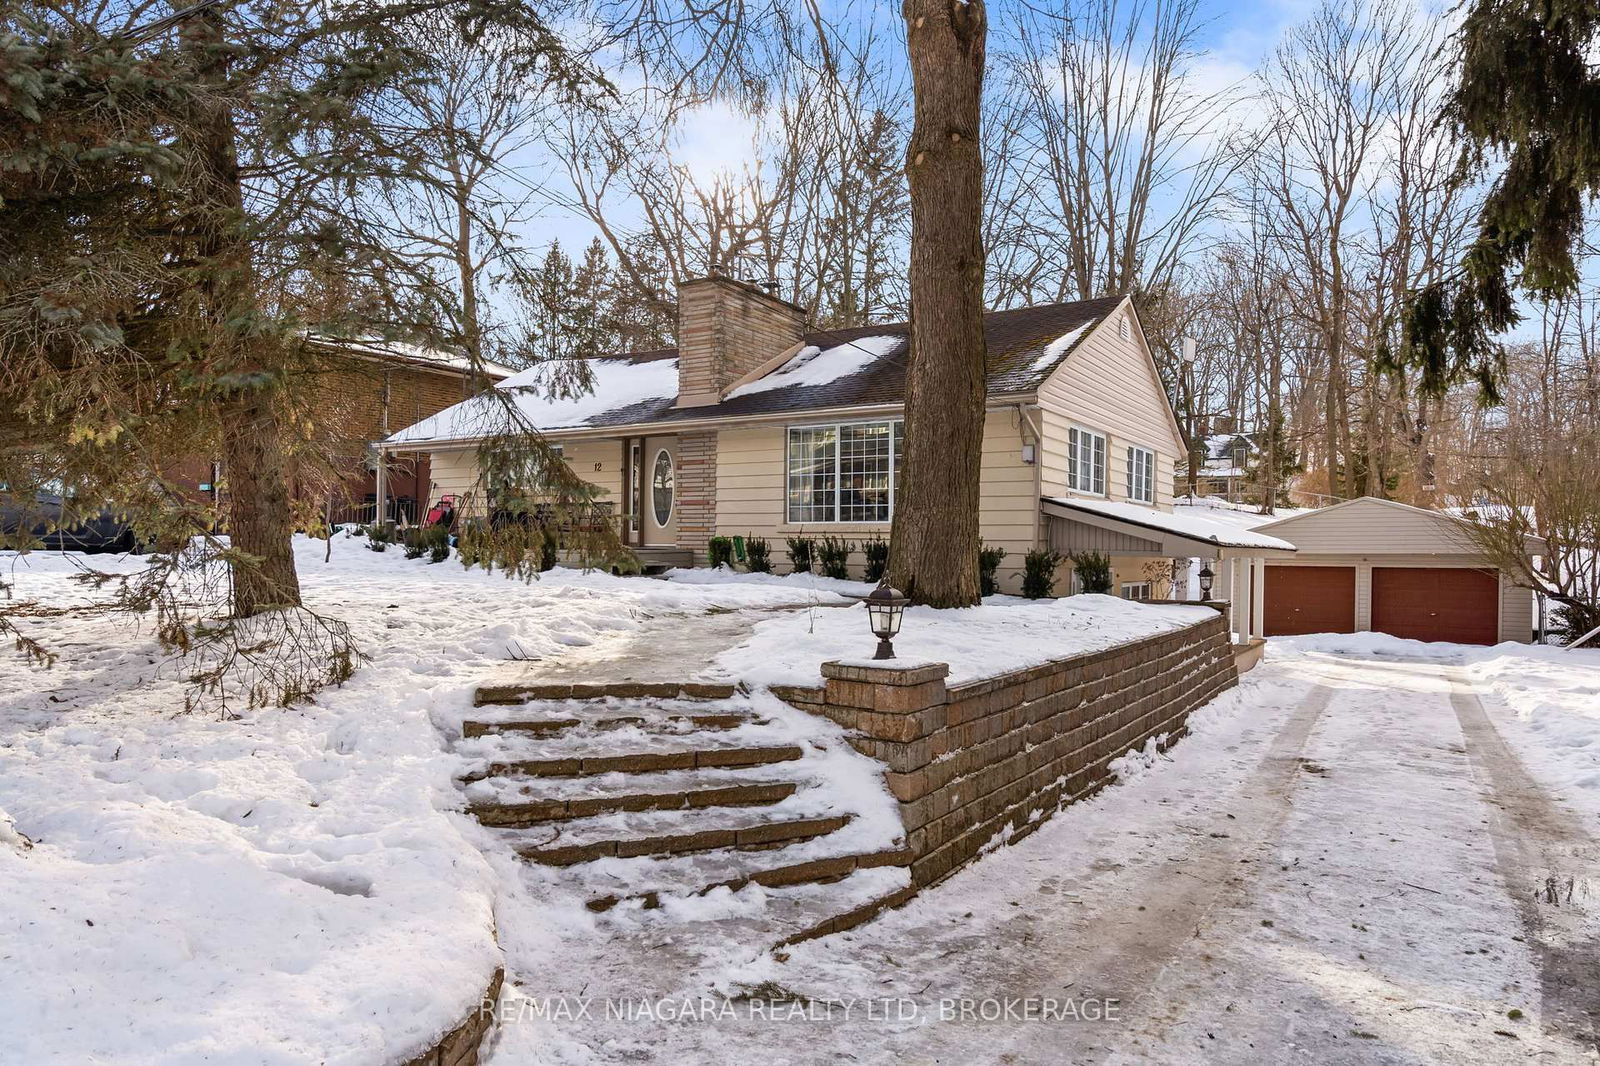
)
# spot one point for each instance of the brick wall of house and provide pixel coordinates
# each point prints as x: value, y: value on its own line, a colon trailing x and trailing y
x: 697, y: 491
x: 972, y: 761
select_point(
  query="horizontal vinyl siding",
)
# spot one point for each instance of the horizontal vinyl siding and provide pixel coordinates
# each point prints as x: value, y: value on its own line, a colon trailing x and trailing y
x: 1367, y: 527
x: 751, y: 490
x: 1108, y: 385
x: 456, y: 471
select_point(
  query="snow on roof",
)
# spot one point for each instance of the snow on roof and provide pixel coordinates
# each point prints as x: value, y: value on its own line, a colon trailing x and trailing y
x: 618, y: 384
x: 812, y: 366
x: 1058, y: 347
x: 1243, y: 516
x: 1196, y: 527
x: 413, y: 353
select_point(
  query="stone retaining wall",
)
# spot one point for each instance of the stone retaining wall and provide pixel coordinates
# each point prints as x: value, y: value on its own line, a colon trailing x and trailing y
x: 460, y: 1046
x: 975, y: 761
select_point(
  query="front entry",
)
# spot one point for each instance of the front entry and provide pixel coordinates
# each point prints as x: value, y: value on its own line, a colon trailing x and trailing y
x: 656, y: 483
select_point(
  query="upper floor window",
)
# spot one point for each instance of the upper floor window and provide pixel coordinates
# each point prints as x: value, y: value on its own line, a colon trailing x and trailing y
x: 1141, y: 475
x: 1086, y: 461
x: 843, y: 473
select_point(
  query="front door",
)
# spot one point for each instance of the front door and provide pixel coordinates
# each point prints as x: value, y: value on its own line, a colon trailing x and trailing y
x: 658, y: 491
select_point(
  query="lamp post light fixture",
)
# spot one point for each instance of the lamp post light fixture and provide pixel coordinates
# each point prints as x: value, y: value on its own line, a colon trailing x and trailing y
x: 1206, y: 578
x: 886, y: 608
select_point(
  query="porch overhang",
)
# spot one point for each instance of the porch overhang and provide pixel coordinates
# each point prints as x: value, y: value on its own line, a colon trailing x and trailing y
x: 1074, y: 525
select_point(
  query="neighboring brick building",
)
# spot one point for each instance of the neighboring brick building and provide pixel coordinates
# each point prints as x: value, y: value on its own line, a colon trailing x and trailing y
x: 366, y: 391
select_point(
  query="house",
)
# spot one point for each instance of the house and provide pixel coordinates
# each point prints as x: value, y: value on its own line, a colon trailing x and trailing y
x: 756, y: 426
x: 1371, y: 564
x: 363, y: 392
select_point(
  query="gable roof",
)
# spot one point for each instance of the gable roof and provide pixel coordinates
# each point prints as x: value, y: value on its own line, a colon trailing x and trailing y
x: 399, y: 352
x: 1451, y: 532
x: 859, y: 367
x: 1196, y: 529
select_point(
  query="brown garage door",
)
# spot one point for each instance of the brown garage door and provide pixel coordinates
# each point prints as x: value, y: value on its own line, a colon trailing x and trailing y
x: 1436, y: 603
x: 1310, y: 599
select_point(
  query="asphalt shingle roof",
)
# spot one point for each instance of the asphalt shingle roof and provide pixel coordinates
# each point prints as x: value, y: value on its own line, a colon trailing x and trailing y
x: 1024, y: 346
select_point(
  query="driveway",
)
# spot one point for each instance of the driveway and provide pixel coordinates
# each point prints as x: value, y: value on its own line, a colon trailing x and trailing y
x: 1345, y: 863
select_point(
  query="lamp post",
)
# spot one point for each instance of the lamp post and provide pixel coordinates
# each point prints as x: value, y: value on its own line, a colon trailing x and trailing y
x: 1206, y: 579
x: 886, y: 608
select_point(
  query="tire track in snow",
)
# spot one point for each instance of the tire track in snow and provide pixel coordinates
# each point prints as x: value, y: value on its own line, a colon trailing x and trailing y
x: 1542, y: 854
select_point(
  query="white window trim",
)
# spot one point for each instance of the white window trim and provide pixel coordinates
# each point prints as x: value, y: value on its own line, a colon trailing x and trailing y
x: 1105, y: 459
x: 1127, y: 586
x: 1134, y: 452
x: 897, y: 430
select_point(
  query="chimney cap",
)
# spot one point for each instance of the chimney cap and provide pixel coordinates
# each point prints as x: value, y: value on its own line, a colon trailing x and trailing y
x: 757, y: 289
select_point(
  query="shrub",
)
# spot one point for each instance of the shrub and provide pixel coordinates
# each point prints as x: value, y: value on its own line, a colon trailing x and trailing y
x: 1039, y: 573
x: 988, y: 563
x: 549, y: 543
x: 721, y: 551
x: 877, y: 552
x: 379, y: 536
x: 835, y: 555
x: 426, y: 540
x: 801, y: 550
x: 1093, y: 570
x: 440, y: 552
x: 758, y: 555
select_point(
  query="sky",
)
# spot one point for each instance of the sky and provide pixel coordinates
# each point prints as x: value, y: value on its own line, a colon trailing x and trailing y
x: 1236, y: 37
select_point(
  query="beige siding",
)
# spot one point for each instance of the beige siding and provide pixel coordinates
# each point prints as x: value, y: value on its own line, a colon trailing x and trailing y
x: 751, y: 491
x: 598, y: 462
x: 455, y: 473
x: 1368, y: 526
x: 1109, y: 385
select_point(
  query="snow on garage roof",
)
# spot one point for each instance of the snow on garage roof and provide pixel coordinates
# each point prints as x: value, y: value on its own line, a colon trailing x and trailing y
x: 1190, y: 526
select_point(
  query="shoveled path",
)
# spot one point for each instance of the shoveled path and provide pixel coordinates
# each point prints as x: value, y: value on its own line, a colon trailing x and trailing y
x: 1344, y: 864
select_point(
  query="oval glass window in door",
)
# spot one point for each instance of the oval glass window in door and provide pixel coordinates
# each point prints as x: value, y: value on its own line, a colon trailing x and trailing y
x: 661, y: 487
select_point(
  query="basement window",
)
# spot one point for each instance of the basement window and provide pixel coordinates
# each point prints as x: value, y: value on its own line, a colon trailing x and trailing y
x: 1137, y: 590
x: 846, y: 472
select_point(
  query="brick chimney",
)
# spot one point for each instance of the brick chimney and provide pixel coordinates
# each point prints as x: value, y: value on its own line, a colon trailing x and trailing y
x: 726, y: 329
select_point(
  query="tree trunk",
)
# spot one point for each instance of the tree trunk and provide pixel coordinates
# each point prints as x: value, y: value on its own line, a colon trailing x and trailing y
x: 934, y: 557
x: 259, y: 525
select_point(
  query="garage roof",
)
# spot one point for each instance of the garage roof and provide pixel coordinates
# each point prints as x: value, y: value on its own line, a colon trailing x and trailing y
x: 1370, y: 526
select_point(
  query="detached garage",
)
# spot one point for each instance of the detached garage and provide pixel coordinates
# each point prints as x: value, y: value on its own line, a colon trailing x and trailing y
x: 1377, y: 565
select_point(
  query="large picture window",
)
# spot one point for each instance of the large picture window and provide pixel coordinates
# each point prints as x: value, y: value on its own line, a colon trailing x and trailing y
x: 1141, y: 475
x: 1086, y: 461
x: 843, y: 473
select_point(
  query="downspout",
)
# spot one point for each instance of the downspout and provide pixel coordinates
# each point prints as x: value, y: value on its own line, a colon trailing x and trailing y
x: 1024, y: 418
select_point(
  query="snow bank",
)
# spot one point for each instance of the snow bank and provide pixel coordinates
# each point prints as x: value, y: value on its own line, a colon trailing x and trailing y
x: 293, y: 886
x: 1003, y: 634
x: 830, y: 589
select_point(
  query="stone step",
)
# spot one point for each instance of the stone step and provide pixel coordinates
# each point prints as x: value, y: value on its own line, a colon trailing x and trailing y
x: 506, y: 695
x: 640, y: 762
x: 534, y: 810
x: 820, y: 870
x: 748, y: 837
x: 621, y: 719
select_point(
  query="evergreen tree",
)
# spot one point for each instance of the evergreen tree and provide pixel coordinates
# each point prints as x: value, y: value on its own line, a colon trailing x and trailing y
x: 175, y: 212
x: 1528, y: 90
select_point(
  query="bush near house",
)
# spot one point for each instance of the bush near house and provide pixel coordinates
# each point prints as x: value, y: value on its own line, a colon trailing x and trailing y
x: 720, y: 549
x: 834, y: 554
x: 988, y: 563
x: 379, y: 536
x: 801, y: 552
x: 758, y: 555
x: 1039, y: 573
x: 1093, y: 570
x: 876, y: 551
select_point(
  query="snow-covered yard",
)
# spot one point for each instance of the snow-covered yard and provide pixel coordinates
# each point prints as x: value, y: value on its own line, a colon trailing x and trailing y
x: 1344, y: 862
x: 298, y: 885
